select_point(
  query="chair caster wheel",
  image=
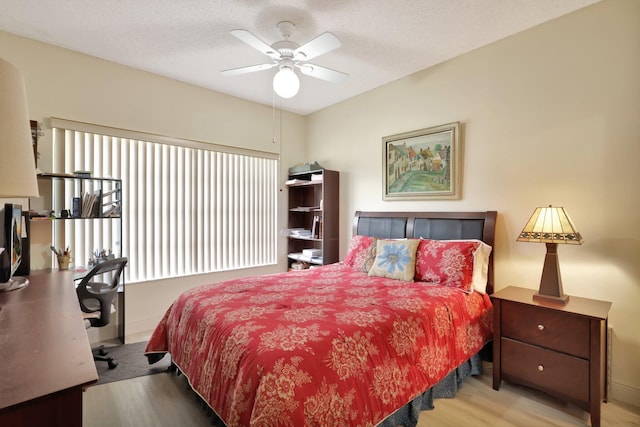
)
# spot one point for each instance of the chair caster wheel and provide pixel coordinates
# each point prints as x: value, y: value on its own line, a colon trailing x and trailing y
x: 112, y: 364
x: 102, y: 352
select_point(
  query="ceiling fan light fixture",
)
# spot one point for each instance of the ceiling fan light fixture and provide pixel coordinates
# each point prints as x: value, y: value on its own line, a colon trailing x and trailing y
x: 286, y: 83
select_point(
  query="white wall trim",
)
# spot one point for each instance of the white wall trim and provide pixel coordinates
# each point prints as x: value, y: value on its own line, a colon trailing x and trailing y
x: 625, y: 393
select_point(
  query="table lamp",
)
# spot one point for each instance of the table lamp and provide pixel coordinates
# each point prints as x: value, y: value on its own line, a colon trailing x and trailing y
x: 17, y: 163
x: 17, y: 168
x: 550, y: 225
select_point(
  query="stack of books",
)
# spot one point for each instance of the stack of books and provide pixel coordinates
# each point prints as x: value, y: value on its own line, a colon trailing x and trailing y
x: 95, y: 205
x: 316, y: 228
x: 91, y: 203
x: 301, y: 233
x: 312, y: 253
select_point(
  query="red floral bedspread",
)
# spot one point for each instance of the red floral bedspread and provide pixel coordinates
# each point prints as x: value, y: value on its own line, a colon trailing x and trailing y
x: 322, y: 347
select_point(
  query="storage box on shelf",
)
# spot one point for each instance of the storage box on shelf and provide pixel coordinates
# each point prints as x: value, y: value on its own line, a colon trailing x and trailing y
x: 313, y: 217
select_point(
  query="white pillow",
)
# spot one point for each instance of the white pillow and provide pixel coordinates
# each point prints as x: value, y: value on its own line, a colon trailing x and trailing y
x: 480, y: 266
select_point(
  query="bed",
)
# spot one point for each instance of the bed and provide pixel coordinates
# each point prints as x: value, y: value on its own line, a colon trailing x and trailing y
x: 346, y: 344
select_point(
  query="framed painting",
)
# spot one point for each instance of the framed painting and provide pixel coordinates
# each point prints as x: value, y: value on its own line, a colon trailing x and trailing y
x: 422, y: 164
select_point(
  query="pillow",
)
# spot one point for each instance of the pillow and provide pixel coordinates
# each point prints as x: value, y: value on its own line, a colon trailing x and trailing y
x: 370, y: 256
x: 457, y: 263
x: 395, y: 259
x: 357, y: 253
x: 481, y: 267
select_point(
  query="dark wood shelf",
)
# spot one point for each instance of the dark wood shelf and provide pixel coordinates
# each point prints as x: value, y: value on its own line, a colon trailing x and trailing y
x: 72, y: 176
x: 305, y: 200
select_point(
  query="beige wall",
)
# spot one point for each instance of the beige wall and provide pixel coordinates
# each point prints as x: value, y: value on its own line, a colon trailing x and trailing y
x: 69, y: 85
x: 551, y: 116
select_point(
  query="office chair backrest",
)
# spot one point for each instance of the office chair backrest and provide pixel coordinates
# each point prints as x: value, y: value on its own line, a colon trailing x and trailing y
x: 97, y: 296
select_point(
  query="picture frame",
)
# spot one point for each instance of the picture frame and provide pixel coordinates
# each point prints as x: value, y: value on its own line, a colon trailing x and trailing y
x: 422, y: 164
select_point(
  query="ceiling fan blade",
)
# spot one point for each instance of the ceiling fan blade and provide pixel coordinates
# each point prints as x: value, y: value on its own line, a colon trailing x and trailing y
x: 322, y: 44
x: 255, y: 43
x: 245, y: 70
x: 323, y: 73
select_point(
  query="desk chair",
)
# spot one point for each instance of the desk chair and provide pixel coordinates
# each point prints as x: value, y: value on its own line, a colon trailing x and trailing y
x: 97, y: 300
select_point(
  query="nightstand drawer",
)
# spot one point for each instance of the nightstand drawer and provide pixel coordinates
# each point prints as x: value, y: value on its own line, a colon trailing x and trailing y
x: 556, y: 373
x: 552, y: 329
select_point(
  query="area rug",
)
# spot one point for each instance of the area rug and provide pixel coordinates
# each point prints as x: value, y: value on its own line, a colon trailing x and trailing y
x: 132, y: 363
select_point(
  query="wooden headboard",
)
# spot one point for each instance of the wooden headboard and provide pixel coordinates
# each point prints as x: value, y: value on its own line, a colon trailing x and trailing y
x: 430, y: 225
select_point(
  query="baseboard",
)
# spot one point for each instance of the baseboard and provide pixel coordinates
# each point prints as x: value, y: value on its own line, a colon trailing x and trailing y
x: 625, y: 394
x: 106, y: 333
x: 616, y: 391
x: 140, y: 327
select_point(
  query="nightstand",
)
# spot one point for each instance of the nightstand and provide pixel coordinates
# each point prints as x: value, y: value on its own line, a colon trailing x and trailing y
x: 557, y: 349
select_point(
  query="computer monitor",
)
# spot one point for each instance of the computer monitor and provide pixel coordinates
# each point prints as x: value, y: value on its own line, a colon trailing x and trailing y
x: 11, y: 244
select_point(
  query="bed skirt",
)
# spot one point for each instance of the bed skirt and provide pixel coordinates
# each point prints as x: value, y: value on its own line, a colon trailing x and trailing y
x: 408, y: 415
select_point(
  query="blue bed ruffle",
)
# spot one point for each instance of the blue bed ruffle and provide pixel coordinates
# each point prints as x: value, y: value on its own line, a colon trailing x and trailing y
x: 408, y: 415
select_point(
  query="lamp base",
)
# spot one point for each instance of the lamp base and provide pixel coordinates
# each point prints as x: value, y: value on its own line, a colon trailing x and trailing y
x: 562, y: 299
x: 551, y: 282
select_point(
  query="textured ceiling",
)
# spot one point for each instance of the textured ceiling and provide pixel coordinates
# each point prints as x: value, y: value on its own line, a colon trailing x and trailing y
x: 189, y: 40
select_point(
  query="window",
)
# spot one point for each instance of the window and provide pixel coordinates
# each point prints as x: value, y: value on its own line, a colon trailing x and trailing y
x: 187, y: 207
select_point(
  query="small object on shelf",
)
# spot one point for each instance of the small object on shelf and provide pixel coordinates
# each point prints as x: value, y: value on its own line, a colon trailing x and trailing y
x: 316, y: 177
x: 312, y: 253
x: 82, y: 174
x: 39, y: 213
x: 299, y: 265
x: 295, y: 181
x: 299, y: 256
x: 300, y: 232
x: 112, y: 211
x: 305, y: 168
x: 77, y: 207
x: 316, y: 228
x: 305, y: 209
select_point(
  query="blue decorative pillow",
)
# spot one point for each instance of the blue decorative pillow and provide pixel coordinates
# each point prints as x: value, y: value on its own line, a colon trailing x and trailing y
x: 395, y: 259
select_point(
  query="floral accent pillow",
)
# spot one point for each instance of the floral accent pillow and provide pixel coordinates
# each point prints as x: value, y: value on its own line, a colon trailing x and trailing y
x: 395, y: 259
x: 370, y: 256
x: 358, y: 251
x: 447, y: 262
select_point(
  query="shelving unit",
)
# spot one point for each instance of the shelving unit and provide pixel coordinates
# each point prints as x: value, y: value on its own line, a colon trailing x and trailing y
x: 98, y: 197
x: 313, y: 220
x: 95, y: 199
x: 82, y: 213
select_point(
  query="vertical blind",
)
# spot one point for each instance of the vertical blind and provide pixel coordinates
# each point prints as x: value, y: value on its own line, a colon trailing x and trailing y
x: 187, y: 207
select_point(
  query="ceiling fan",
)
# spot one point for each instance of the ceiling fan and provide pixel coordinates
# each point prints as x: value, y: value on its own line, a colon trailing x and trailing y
x: 288, y: 55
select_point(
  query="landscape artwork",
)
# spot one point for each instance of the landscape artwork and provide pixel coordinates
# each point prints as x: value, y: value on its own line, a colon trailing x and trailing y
x: 422, y: 164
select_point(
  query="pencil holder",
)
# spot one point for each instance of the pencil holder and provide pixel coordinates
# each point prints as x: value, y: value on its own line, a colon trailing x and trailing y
x: 63, y: 261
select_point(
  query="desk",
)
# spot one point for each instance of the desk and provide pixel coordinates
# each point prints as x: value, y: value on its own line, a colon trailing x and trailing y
x: 45, y: 356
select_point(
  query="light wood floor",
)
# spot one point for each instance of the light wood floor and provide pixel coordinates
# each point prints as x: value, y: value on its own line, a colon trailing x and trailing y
x: 163, y: 400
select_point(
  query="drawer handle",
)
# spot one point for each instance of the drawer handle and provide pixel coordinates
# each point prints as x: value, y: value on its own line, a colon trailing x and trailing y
x: 540, y: 368
x: 540, y: 327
